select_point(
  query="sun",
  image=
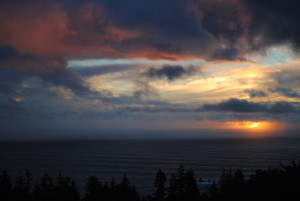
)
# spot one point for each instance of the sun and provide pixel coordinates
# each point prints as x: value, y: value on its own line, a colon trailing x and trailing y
x: 255, y: 128
x: 250, y: 124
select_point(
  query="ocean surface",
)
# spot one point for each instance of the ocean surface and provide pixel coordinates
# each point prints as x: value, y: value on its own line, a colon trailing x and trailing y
x: 140, y: 159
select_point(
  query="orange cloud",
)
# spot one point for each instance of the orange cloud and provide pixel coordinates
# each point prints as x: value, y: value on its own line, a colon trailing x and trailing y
x: 33, y: 28
x: 154, y: 54
x: 50, y: 31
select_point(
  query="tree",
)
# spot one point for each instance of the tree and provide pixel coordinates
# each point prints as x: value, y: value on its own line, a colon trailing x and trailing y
x: 179, y: 183
x: 65, y: 189
x: 213, y: 190
x: 171, y: 188
x: 106, y: 191
x: 125, y: 182
x: 160, y: 180
x: 93, y: 189
x: 124, y: 192
x: 239, y: 178
x: 176, y: 186
x: 22, y: 187
x: 5, y: 186
x: 45, y: 190
x: 226, y: 182
x: 191, y: 191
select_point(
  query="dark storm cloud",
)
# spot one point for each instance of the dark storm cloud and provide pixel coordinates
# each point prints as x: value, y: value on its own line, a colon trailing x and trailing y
x: 234, y: 105
x: 69, y: 79
x: 16, y: 67
x: 238, y: 26
x: 221, y: 19
x: 275, y: 21
x: 244, y: 106
x: 282, y: 107
x: 9, y: 53
x: 257, y: 24
x: 9, y: 81
x: 288, y: 92
x: 170, y: 72
x: 168, y: 29
x: 168, y: 17
x: 230, y: 53
x: 256, y: 93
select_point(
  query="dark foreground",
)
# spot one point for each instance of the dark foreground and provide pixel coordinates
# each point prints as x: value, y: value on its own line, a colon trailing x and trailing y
x: 140, y: 159
x: 272, y: 184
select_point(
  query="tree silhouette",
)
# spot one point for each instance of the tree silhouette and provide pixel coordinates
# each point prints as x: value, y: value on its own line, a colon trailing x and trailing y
x: 179, y: 183
x: 160, y: 189
x: 22, y: 187
x: 213, y: 190
x: 106, y: 191
x: 123, y: 191
x: 191, y: 191
x: 65, y: 189
x: 268, y: 185
x: 226, y: 182
x: 93, y: 189
x: 5, y: 186
x: 45, y: 190
x: 171, y: 188
x: 183, y: 186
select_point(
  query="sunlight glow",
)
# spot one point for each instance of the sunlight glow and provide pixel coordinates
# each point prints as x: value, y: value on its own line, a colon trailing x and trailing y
x: 256, y: 129
x: 250, y: 124
x: 254, y: 126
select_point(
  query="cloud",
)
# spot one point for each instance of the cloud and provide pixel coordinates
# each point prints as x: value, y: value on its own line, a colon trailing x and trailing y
x: 244, y: 106
x: 144, y: 89
x: 282, y: 107
x: 27, y: 63
x: 167, y: 29
x: 70, y: 79
x: 170, y: 72
x: 285, y: 91
x: 47, y: 29
x: 234, y: 105
x: 227, y: 53
x: 256, y: 93
x: 221, y: 19
x: 9, y: 81
x: 287, y: 78
x: 105, y: 29
x: 39, y: 37
x: 10, y: 106
x: 16, y: 67
x: 243, y: 26
x: 274, y: 21
x: 101, y: 70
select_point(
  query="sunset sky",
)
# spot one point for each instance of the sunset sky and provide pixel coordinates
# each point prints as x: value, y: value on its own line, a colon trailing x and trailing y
x: 119, y: 65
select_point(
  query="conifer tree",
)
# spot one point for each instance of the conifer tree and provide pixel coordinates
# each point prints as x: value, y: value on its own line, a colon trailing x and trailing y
x: 191, y: 191
x: 93, y: 189
x: 5, y: 186
x: 160, y: 180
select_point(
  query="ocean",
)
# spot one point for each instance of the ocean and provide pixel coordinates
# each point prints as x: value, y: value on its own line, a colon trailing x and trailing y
x: 140, y: 159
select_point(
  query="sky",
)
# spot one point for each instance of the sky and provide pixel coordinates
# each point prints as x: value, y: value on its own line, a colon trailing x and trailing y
x: 212, y: 67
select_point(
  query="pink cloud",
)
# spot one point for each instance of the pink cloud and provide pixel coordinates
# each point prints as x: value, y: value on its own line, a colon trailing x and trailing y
x: 50, y: 31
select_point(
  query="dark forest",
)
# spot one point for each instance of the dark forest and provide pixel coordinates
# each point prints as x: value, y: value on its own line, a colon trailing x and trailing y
x: 270, y: 184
